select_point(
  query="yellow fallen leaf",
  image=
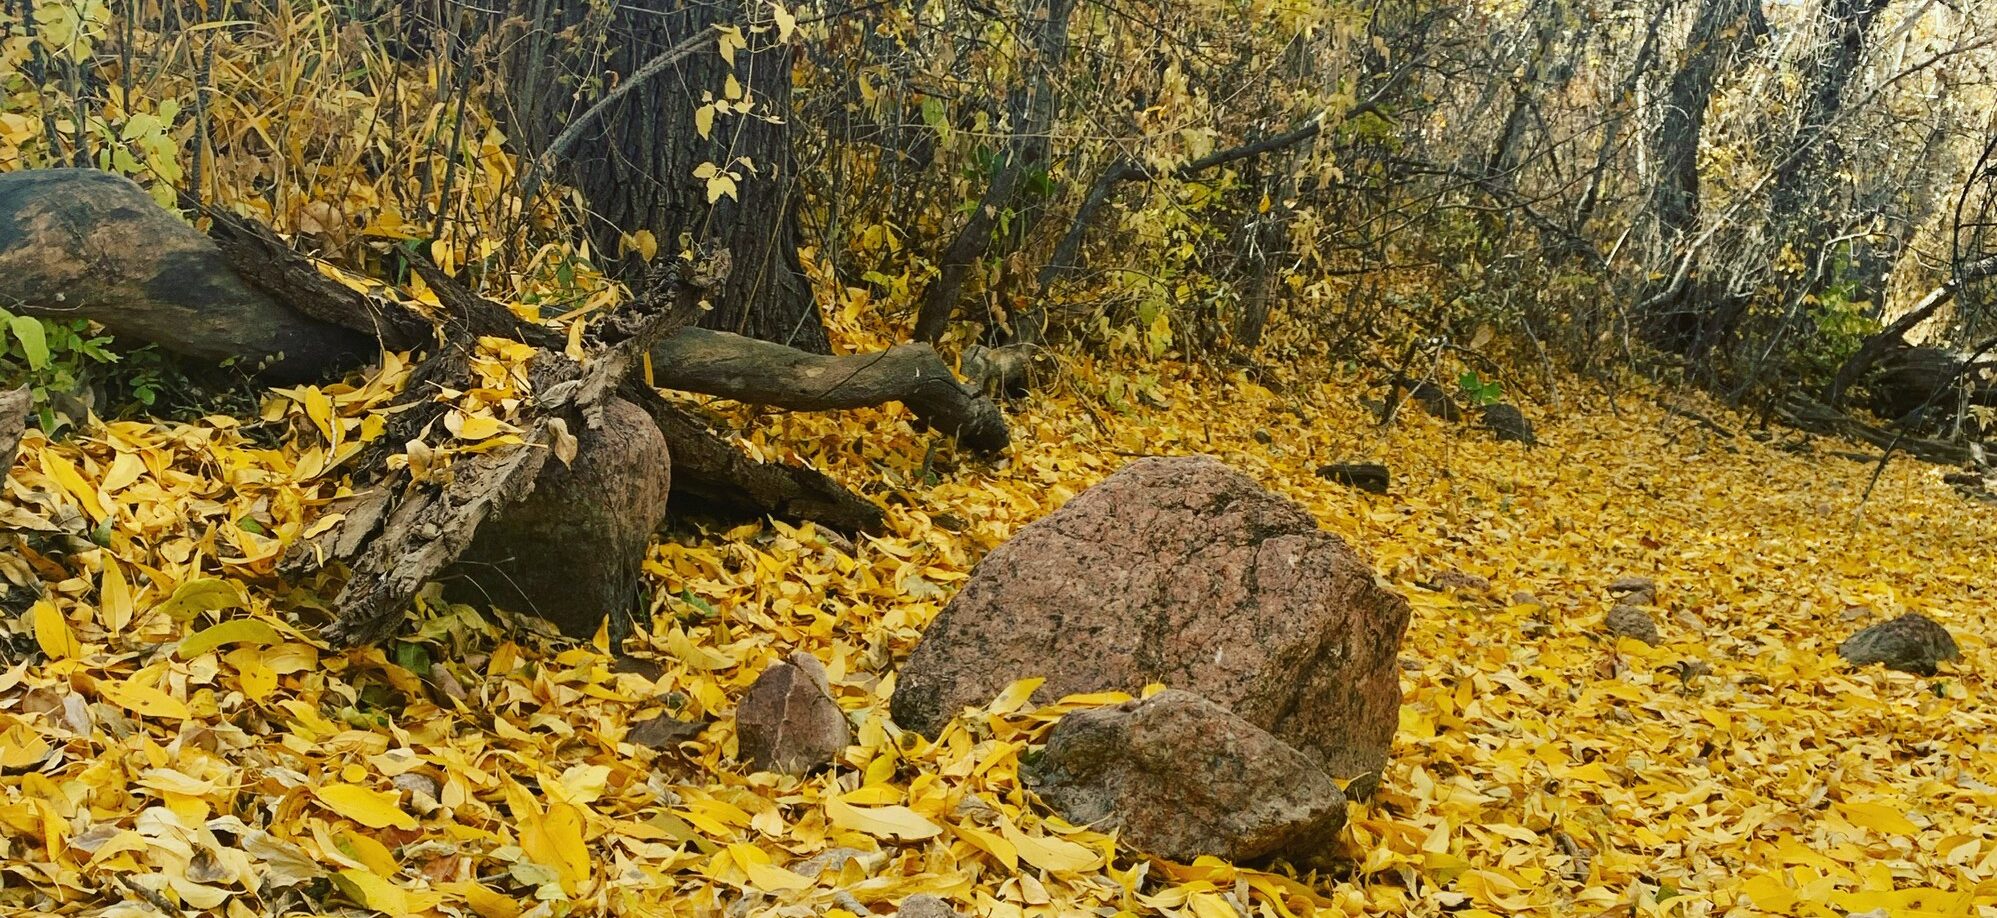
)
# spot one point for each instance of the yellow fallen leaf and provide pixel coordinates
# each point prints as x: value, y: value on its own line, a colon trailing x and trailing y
x: 53, y: 633
x: 763, y: 875
x: 240, y: 631
x: 204, y: 594
x: 1878, y: 817
x: 1048, y: 852
x: 487, y: 903
x: 371, y: 891
x: 254, y: 673
x: 555, y: 841
x: 991, y: 843
x: 475, y: 427
x: 142, y: 699
x: 22, y: 747
x: 372, y: 808
x: 65, y: 474
x: 114, y: 597
x: 880, y: 821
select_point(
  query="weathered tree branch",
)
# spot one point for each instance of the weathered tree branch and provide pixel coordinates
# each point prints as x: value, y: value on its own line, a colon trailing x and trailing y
x: 712, y: 475
x: 758, y: 372
x: 267, y: 263
x: 1894, y: 335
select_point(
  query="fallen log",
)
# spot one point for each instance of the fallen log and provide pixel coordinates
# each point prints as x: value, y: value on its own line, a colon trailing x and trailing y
x: 414, y: 528
x: 78, y: 243
x: 266, y: 263
x: 762, y: 373
x: 715, y: 477
x: 1807, y: 414
x: 537, y: 526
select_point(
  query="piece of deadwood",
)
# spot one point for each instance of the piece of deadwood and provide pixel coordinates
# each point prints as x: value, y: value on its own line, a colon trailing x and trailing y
x: 1371, y: 477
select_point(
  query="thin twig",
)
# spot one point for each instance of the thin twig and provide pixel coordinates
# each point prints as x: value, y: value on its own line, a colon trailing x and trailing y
x: 463, y: 96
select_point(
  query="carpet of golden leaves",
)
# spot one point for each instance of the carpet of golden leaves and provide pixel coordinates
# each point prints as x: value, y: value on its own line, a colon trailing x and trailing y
x: 174, y: 736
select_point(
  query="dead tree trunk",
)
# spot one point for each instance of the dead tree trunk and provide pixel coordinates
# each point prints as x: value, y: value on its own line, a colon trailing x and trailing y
x: 717, y: 174
x: 553, y: 526
x: 1721, y: 29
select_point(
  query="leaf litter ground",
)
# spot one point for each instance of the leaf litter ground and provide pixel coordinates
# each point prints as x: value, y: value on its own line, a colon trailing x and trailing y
x: 171, y: 736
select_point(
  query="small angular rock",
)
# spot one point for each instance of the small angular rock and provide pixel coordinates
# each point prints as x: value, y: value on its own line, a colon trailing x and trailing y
x: 1632, y: 621
x: 1179, y: 776
x: 1508, y: 424
x: 1370, y: 477
x: 788, y: 722
x: 1912, y: 643
x: 926, y: 905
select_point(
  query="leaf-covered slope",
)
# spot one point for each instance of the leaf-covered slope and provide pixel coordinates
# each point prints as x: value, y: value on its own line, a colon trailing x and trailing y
x: 147, y: 757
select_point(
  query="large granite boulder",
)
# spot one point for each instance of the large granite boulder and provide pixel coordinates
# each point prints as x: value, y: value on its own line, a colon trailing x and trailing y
x: 1185, y: 572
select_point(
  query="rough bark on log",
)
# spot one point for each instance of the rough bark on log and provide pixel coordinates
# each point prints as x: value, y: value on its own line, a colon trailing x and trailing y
x: 596, y: 514
x: 79, y: 243
x: 259, y: 257
x: 426, y: 527
x: 710, y: 474
x: 758, y: 372
x: 14, y: 408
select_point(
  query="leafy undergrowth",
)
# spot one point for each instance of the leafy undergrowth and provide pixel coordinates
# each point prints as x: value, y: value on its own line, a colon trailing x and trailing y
x: 173, y: 737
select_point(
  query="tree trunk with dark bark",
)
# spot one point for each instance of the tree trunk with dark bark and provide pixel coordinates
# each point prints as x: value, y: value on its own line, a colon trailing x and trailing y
x: 645, y: 163
x: 78, y: 243
x: 1030, y: 108
x: 1718, y: 28
x: 1721, y: 29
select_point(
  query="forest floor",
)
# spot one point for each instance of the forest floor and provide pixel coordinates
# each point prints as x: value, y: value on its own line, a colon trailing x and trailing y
x: 1541, y: 766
